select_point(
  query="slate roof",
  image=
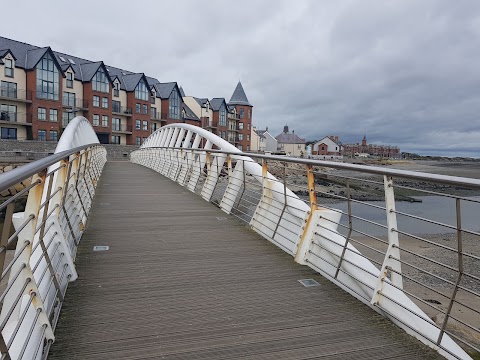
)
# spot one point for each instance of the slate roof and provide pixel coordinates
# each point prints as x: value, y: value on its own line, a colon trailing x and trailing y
x: 239, y: 97
x: 18, y: 50
x: 189, y: 114
x: 181, y: 91
x: 164, y: 89
x: 217, y: 103
x: 289, y: 138
x: 131, y: 81
x: 201, y: 101
x: 4, y: 53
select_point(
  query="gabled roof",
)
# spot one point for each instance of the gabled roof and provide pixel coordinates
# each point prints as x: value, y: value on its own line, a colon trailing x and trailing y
x: 181, y: 91
x: 239, y: 97
x: 65, y: 67
x: 18, y: 50
x: 131, y: 81
x: 33, y: 57
x: 217, y: 103
x: 165, y: 89
x: 289, y: 138
x: 4, y: 53
x: 189, y: 114
x: 90, y: 69
x: 202, y: 101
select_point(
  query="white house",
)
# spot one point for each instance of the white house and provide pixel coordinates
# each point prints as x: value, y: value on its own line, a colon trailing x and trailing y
x: 263, y: 141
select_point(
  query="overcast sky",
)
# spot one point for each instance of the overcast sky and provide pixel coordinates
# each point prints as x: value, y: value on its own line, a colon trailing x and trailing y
x: 402, y: 72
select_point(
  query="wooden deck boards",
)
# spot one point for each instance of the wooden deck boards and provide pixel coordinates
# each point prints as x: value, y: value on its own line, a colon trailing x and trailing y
x: 183, y: 280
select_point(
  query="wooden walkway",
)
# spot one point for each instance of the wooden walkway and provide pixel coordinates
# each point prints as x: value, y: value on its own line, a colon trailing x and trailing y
x: 183, y: 280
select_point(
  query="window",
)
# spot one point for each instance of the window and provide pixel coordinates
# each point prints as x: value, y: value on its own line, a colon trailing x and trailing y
x: 116, y: 139
x: 224, y: 134
x: 69, y: 80
x: 104, y: 120
x: 145, y: 125
x: 100, y: 82
x: 240, y: 126
x: 53, y: 135
x: 138, y: 108
x: 223, y: 116
x: 105, y: 103
x: 248, y: 126
x: 248, y: 147
x: 240, y: 147
x: 67, y: 116
x: 249, y: 114
x: 47, y: 79
x: 174, y: 105
x: 8, y: 89
x: 116, y: 106
x: 8, y: 68
x: 138, y: 124
x: 138, y: 141
x: 145, y: 109
x: 9, y: 133
x: 68, y: 99
x: 153, y: 112
x: 96, y: 101
x: 141, y: 91
x: 240, y: 137
x: 152, y: 99
x: 96, y: 119
x: 153, y: 127
x: 242, y: 113
x: 8, y: 112
x: 53, y: 115
x: 248, y: 137
x: 116, y: 89
x: 42, y: 114
x: 116, y: 124
x: 42, y: 135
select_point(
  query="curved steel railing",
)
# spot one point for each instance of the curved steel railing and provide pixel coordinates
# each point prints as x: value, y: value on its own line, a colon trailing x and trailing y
x: 60, y: 190
x: 318, y: 236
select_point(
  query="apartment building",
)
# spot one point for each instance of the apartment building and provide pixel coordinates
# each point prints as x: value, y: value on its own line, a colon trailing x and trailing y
x: 41, y: 90
x: 373, y: 150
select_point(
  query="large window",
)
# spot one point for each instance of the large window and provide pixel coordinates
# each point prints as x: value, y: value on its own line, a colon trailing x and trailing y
x: 42, y: 135
x: 223, y: 116
x: 9, y: 133
x: 8, y: 89
x: 100, y: 82
x: 68, y: 99
x: 8, y: 68
x: 105, y: 102
x: 116, y: 124
x: 47, y: 79
x: 8, y: 112
x: 53, y: 115
x: 69, y: 80
x: 67, y: 116
x: 42, y: 113
x: 53, y: 135
x: 141, y: 91
x: 174, y: 105
x: 104, y: 120
x: 96, y: 119
x: 240, y: 137
x: 116, y: 106
x: 240, y: 126
x: 96, y: 101
x: 116, y: 139
x: 153, y: 112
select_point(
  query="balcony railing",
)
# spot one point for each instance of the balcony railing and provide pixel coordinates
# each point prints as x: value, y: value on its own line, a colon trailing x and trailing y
x: 122, y: 110
x: 15, y: 94
x: 121, y: 128
x: 208, y: 123
x: 74, y: 103
x: 234, y: 116
x: 25, y: 118
x: 158, y: 116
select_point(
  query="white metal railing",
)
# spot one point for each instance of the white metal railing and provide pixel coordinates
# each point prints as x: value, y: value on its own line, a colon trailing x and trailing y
x: 328, y: 239
x: 58, y: 199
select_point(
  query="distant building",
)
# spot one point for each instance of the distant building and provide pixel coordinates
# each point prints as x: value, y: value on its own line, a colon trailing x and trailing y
x: 290, y: 143
x: 263, y: 141
x: 364, y: 150
x: 327, y: 146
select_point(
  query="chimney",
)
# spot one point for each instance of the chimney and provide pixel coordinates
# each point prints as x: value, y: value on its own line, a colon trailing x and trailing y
x: 293, y: 131
x: 266, y: 128
x: 285, y: 129
x: 336, y: 139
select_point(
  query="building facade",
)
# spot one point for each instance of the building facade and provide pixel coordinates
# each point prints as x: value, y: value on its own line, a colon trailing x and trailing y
x: 290, y: 143
x: 364, y: 149
x: 41, y: 90
x: 327, y: 146
x: 262, y: 141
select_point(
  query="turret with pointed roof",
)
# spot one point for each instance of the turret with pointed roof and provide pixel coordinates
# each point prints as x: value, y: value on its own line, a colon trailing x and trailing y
x: 239, y: 97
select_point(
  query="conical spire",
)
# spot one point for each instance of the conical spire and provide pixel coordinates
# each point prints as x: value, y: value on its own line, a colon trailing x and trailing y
x: 239, y: 97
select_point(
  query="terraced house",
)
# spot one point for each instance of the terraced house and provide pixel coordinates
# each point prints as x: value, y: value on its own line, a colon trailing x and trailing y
x: 41, y: 90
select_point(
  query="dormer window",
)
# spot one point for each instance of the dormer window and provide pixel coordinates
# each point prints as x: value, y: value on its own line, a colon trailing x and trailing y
x: 152, y: 98
x: 207, y: 106
x: 116, y: 89
x: 100, y: 82
x: 141, y: 91
x: 69, y: 80
x: 9, y: 68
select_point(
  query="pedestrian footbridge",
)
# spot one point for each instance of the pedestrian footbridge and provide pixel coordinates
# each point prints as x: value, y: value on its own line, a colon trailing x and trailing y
x: 194, y: 250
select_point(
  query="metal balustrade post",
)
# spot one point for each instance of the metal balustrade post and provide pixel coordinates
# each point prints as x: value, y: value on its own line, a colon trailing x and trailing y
x: 350, y: 228
x: 64, y: 196
x: 393, y: 250
x: 460, y: 270
x: 284, y: 198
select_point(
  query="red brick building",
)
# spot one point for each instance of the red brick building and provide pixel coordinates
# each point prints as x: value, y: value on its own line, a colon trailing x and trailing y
x: 385, y: 151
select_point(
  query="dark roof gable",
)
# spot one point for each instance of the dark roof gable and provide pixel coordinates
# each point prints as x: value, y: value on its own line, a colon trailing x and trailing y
x: 217, y: 103
x: 239, y: 97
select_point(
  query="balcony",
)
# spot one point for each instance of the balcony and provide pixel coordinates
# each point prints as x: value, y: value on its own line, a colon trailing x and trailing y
x: 232, y: 139
x: 121, y: 110
x: 24, y: 96
x: 21, y: 118
x: 208, y: 123
x: 233, y: 116
x: 122, y: 128
x: 162, y: 117
x: 75, y: 104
